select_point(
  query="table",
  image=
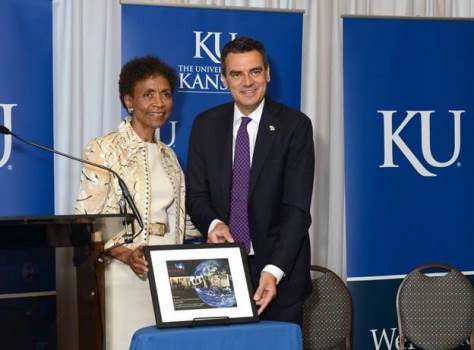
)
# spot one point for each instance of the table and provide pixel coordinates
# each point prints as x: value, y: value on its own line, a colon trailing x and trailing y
x: 263, y: 335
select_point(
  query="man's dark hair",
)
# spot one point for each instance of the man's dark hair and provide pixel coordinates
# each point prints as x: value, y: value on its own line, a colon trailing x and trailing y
x: 242, y: 44
x: 142, y: 68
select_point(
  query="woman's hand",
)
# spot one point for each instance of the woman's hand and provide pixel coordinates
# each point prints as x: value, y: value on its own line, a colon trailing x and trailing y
x: 133, y: 258
x: 136, y: 261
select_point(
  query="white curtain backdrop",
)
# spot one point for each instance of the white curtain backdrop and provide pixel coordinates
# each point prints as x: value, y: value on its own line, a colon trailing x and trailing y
x: 86, y: 104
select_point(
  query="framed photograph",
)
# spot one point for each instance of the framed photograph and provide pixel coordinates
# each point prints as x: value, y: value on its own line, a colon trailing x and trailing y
x: 200, y: 284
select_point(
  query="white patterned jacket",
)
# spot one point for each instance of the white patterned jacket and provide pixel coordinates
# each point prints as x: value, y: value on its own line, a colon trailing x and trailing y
x: 126, y: 153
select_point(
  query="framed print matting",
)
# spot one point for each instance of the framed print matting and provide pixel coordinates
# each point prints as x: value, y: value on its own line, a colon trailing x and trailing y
x: 200, y: 284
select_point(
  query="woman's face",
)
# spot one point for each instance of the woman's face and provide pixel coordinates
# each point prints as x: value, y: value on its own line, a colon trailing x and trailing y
x: 152, y: 102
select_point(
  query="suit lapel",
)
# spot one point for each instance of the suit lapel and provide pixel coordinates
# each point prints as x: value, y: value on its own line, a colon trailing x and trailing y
x: 224, y: 144
x: 267, y: 130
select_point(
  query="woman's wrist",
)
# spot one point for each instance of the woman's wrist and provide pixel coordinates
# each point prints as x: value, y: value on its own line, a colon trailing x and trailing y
x: 121, y: 253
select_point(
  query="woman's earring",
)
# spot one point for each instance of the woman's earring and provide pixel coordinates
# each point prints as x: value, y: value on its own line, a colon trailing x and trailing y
x: 130, y: 110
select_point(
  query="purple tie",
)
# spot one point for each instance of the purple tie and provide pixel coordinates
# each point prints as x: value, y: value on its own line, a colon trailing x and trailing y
x: 239, y: 221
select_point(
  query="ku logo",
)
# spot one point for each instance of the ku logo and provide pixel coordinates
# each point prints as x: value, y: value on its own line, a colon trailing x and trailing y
x: 392, y: 138
x: 210, y: 43
x: 6, y: 110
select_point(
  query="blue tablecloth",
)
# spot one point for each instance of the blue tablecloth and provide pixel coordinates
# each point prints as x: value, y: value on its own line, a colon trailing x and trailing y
x: 263, y: 335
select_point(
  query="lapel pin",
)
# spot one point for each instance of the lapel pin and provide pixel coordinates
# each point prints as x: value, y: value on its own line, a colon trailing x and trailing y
x: 271, y: 127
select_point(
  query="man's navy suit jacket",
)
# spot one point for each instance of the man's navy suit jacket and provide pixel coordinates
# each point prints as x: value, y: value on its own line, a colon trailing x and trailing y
x: 281, y: 183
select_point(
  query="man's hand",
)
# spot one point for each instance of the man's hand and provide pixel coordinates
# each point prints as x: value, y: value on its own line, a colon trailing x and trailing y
x: 220, y: 234
x: 266, y: 291
x: 133, y: 258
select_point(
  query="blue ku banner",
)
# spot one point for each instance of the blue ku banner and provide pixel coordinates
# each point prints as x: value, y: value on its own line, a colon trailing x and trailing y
x: 26, y: 107
x: 27, y: 282
x: 191, y: 39
x: 409, y: 159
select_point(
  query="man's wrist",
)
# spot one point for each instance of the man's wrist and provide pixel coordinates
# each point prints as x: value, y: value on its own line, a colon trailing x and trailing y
x: 275, y: 271
x: 213, y: 225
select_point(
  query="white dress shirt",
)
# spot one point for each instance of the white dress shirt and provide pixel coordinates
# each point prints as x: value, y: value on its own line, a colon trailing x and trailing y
x: 252, y: 129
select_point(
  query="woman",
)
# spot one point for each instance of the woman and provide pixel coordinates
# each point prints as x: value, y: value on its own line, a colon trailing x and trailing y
x: 155, y: 180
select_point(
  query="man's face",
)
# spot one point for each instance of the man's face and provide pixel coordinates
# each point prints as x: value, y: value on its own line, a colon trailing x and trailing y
x: 246, y: 78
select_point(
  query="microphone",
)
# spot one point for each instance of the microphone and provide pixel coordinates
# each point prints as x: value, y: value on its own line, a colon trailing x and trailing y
x: 4, y: 130
x: 123, y: 186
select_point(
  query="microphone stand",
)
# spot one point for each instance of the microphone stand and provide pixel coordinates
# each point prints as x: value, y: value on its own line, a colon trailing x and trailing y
x: 123, y: 186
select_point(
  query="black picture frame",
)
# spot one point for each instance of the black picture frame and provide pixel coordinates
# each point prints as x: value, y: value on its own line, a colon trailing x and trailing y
x: 200, y: 284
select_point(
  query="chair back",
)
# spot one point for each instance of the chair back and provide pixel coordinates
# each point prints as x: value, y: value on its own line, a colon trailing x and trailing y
x: 327, y: 313
x: 435, y: 311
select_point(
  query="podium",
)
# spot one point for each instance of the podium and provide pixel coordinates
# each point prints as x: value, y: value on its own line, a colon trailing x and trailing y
x: 79, y: 310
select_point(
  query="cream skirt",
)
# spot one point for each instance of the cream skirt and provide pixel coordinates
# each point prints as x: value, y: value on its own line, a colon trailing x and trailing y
x: 128, y: 303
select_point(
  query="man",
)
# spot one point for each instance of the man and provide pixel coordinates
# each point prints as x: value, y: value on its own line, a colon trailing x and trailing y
x: 250, y: 178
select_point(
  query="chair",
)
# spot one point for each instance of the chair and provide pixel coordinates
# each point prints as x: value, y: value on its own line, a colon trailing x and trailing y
x: 327, y: 313
x: 435, y: 312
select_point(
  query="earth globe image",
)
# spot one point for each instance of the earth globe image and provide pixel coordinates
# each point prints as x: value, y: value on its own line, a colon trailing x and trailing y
x: 215, y: 287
